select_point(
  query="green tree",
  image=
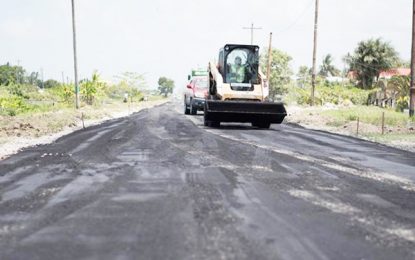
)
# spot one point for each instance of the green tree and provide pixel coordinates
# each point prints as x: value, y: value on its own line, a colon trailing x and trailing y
x: 280, y: 72
x: 51, y: 83
x: 369, y: 59
x: 11, y: 74
x: 33, y: 79
x: 166, y: 86
x: 327, y: 69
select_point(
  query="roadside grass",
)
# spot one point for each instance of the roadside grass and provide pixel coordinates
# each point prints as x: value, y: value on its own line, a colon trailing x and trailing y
x: 399, y: 129
x: 28, y: 129
x: 39, y: 122
x: 335, y: 94
x: 156, y: 98
x: 391, y: 137
x: 368, y: 114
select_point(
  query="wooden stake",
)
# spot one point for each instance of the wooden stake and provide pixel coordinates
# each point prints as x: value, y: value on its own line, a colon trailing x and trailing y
x: 82, y: 118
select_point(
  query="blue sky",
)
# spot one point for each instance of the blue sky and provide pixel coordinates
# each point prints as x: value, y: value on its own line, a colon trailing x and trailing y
x: 168, y: 38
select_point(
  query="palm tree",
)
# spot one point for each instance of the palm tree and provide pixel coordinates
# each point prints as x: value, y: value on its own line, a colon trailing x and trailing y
x: 370, y: 58
x: 327, y: 69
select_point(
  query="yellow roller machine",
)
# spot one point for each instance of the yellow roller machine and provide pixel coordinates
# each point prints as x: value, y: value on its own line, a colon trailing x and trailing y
x: 238, y: 91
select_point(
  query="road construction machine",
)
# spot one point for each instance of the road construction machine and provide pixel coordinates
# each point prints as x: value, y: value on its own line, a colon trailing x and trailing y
x: 239, y: 91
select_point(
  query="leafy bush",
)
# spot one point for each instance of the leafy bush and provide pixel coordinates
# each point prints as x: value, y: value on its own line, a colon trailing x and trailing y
x: 13, y: 105
x: 118, y: 91
x: 24, y: 98
x: 327, y: 93
x: 64, y: 93
x: 402, y: 103
x: 92, y: 89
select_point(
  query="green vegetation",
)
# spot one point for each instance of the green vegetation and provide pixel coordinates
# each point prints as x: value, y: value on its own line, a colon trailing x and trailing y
x: 400, y: 85
x: 367, y: 114
x: 21, y: 92
x: 391, y: 137
x: 329, y: 93
x: 327, y: 68
x: 166, y: 86
x: 280, y: 72
x: 369, y: 59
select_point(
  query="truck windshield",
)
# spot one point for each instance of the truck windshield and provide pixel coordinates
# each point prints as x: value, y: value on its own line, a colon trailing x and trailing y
x: 201, y: 84
x: 241, y: 66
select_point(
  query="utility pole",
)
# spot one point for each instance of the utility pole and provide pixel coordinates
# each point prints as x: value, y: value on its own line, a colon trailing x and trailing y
x: 270, y: 57
x: 412, y: 89
x: 252, y: 28
x: 74, y: 56
x: 313, y: 77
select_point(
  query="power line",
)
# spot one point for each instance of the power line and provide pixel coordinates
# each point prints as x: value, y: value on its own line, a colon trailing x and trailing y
x: 297, y: 19
x: 365, y: 65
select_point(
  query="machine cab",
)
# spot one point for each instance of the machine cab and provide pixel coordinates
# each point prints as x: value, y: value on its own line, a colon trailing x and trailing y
x: 238, y: 65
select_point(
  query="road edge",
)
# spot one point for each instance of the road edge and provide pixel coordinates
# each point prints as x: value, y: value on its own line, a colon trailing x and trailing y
x: 16, y: 144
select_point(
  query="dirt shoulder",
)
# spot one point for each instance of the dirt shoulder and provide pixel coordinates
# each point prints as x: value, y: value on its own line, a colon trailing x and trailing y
x: 398, y: 135
x: 22, y: 131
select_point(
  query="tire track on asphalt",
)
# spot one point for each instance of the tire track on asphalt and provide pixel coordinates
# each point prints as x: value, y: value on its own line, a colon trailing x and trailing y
x: 252, y: 205
x: 382, y: 177
x: 381, y: 227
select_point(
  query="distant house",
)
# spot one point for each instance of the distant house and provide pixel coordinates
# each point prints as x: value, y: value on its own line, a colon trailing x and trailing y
x: 352, y: 75
x: 388, y: 93
x: 333, y: 79
x: 386, y: 74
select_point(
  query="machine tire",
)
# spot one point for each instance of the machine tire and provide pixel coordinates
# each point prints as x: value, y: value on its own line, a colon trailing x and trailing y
x: 209, y: 123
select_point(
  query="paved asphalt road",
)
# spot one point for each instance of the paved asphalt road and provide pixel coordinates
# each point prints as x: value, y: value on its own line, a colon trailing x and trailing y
x: 160, y: 185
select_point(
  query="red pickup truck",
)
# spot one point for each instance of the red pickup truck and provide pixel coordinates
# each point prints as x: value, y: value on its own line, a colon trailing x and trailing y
x: 194, y: 96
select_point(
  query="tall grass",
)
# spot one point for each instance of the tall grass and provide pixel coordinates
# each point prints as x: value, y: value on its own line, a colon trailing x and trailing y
x: 369, y: 114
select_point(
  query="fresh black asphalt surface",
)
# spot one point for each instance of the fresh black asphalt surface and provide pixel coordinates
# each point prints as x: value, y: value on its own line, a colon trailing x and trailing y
x: 160, y: 185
